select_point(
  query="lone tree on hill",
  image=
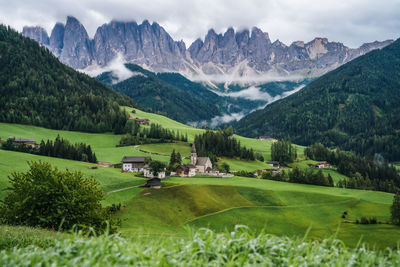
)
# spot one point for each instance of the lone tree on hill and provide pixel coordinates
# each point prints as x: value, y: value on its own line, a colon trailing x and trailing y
x: 48, y: 198
x: 395, y: 209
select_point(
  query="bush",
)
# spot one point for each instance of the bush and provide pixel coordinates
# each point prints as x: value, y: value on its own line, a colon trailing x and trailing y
x: 46, y: 197
x: 245, y: 174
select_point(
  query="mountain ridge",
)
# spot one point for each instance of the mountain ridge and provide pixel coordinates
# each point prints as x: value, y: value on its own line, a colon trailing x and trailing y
x: 354, y: 107
x: 242, y: 55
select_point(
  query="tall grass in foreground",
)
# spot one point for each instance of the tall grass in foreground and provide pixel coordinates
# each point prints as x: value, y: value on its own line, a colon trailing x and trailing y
x: 202, y: 248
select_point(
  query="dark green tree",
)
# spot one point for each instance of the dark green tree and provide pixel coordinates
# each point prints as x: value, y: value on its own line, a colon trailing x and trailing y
x: 156, y: 167
x: 47, y: 197
x: 395, y: 209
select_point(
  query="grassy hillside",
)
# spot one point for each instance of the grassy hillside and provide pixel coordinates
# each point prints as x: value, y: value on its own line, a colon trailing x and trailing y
x: 37, y: 89
x: 104, y: 145
x: 109, y: 178
x: 218, y: 203
x: 276, y: 207
x: 354, y: 107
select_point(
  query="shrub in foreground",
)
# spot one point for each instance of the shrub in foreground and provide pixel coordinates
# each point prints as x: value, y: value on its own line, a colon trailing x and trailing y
x: 202, y: 248
x: 48, y: 198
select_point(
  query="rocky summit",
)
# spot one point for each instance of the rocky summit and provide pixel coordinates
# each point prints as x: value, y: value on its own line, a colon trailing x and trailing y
x: 238, y: 54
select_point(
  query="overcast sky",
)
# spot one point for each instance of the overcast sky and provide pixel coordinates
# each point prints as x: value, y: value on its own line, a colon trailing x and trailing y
x: 352, y: 22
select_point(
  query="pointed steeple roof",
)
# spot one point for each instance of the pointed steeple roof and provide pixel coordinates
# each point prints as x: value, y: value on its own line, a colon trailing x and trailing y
x: 193, y: 148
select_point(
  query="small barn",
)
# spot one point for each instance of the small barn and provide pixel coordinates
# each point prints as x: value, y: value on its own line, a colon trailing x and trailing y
x: 153, y: 183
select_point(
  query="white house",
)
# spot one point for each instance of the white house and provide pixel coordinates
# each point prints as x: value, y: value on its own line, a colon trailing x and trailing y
x: 133, y: 164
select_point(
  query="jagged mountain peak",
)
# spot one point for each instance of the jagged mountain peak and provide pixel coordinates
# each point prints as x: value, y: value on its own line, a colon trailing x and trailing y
x: 150, y: 46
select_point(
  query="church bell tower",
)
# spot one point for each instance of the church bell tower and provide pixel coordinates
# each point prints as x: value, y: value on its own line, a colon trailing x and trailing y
x: 193, y: 155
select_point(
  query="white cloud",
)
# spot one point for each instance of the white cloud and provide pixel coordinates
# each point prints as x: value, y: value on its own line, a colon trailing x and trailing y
x: 116, y: 66
x: 251, y: 93
x: 350, y: 21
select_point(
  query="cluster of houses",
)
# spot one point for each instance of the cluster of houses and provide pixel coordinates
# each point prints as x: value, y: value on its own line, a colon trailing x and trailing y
x: 26, y: 142
x: 198, y: 165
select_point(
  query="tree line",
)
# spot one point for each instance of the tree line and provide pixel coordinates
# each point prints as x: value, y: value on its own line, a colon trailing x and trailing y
x: 299, y: 176
x: 221, y: 144
x: 137, y: 135
x: 370, y: 173
x: 59, y: 148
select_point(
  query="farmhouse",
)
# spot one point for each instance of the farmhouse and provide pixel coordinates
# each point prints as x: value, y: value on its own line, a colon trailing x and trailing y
x: 140, y: 121
x: 133, y: 164
x: 187, y: 170
x: 201, y: 163
x: 149, y: 174
x: 274, y: 164
x: 322, y: 165
x: 267, y: 138
x: 26, y: 142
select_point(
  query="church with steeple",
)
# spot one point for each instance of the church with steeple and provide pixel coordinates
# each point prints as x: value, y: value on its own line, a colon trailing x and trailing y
x: 202, y: 164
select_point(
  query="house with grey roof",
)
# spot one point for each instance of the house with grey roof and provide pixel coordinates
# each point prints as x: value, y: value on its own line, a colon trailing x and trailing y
x: 133, y: 164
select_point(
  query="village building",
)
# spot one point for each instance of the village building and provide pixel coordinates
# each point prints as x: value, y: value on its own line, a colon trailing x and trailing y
x: 141, y: 121
x: 149, y: 174
x: 267, y: 138
x: 153, y: 183
x: 212, y: 170
x: 26, y: 142
x: 201, y: 163
x: 274, y: 164
x: 322, y: 165
x: 133, y: 164
x: 187, y: 170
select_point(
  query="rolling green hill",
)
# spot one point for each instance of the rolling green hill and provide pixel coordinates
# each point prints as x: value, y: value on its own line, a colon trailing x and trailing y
x: 37, y: 89
x: 355, y: 107
x: 219, y: 203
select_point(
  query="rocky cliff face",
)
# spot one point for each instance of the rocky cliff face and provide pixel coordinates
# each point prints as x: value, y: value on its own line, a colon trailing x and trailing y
x: 57, y: 39
x: 36, y: 33
x: 237, y: 54
x: 145, y: 44
x: 77, y: 47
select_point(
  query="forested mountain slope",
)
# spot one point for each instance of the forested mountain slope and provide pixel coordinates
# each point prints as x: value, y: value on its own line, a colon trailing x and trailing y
x: 167, y: 94
x: 35, y: 88
x: 355, y: 107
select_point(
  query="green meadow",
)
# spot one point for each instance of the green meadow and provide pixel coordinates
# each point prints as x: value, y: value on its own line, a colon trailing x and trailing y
x: 279, y: 208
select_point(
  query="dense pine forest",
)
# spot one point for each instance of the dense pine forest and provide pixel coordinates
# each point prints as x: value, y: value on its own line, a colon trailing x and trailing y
x: 221, y: 144
x: 37, y: 89
x: 363, y: 172
x: 136, y: 135
x: 355, y: 107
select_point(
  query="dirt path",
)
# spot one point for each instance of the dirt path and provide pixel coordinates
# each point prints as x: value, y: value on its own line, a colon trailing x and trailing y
x: 122, y: 189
